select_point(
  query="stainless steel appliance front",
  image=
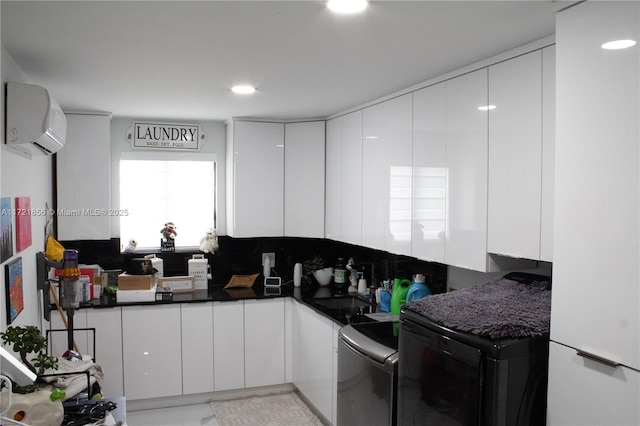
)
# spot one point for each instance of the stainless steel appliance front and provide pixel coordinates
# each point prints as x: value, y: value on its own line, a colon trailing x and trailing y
x: 367, y: 374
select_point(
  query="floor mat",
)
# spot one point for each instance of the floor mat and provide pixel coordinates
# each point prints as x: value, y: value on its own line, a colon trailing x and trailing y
x: 271, y: 410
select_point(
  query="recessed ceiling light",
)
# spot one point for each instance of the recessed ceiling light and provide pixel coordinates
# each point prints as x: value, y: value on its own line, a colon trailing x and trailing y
x: 618, y: 44
x: 243, y: 89
x: 347, y: 6
x: 486, y: 107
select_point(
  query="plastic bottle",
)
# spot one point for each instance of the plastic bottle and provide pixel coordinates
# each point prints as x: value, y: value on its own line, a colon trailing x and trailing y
x: 399, y: 294
x: 418, y: 289
x: 297, y: 274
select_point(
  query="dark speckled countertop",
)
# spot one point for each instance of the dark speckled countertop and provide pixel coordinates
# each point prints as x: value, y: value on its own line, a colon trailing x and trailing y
x: 317, y: 298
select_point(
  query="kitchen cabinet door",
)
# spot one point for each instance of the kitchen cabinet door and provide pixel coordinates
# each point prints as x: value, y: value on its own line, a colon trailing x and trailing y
x: 228, y: 345
x: 429, y: 173
x: 586, y: 392
x: 386, y: 175
x: 334, y: 377
x: 152, y: 354
x: 466, y: 236
x: 109, y: 355
x: 596, y: 288
x: 83, y: 169
x: 197, y: 347
x: 255, y: 179
x: 343, y: 208
x: 264, y: 342
x: 548, y: 152
x: 515, y: 156
x: 596, y: 279
x: 58, y: 336
x: 315, y: 375
x: 304, y: 168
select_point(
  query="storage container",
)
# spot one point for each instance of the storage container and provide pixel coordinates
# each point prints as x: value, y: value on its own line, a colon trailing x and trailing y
x: 197, y: 268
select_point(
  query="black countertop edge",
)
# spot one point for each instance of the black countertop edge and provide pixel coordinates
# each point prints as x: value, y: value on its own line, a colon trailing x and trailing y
x: 311, y: 296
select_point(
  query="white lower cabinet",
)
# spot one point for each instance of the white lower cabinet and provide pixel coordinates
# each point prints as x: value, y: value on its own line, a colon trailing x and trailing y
x: 151, y: 351
x: 592, y: 393
x: 228, y: 348
x: 197, y: 347
x: 315, y: 354
x: 58, y: 336
x: 334, y: 387
x: 108, y: 325
x: 108, y: 343
x: 264, y: 342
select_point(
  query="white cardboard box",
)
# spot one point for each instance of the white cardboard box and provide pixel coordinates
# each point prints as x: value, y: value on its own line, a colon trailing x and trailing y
x: 128, y: 296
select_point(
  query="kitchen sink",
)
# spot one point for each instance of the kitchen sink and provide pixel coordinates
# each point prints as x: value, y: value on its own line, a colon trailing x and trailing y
x: 342, y: 302
x: 345, y: 309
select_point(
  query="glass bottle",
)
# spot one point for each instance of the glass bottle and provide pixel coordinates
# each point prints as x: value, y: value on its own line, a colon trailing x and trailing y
x: 340, y: 274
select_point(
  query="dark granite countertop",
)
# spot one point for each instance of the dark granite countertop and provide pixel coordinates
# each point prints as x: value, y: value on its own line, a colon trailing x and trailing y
x: 336, y: 305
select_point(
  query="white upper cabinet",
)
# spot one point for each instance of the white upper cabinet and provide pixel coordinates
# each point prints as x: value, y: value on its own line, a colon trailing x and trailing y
x: 83, y: 169
x: 255, y: 179
x: 386, y: 175
x: 429, y: 173
x: 466, y: 235
x: 304, y: 169
x: 597, y: 203
x: 548, y: 152
x: 596, y: 252
x: 343, y: 208
x: 515, y: 156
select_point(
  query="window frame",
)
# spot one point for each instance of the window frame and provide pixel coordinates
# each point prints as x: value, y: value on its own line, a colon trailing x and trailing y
x: 140, y: 155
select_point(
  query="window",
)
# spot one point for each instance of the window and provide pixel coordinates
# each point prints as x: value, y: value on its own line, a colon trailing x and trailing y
x: 156, y: 188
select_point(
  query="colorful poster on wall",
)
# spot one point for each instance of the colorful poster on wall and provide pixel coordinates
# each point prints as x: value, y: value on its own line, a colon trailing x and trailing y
x: 6, y: 229
x: 23, y: 223
x: 14, y: 297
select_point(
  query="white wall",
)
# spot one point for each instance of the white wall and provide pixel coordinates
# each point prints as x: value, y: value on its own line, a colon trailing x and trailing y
x: 216, y: 144
x: 21, y: 177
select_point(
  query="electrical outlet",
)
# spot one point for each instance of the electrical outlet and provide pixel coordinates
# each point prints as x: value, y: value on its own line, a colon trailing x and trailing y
x: 272, y: 258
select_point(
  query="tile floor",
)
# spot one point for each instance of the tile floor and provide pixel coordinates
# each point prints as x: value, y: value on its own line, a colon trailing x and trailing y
x: 188, y: 415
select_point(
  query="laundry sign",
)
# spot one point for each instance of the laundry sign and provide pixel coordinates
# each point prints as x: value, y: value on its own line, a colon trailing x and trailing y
x: 166, y: 136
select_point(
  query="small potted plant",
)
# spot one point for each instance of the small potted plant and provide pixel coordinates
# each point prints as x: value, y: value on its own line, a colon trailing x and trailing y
x: 31, y: 345
x: 316, y: 266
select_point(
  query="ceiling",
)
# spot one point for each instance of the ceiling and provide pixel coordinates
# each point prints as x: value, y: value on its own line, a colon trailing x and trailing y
x: 176, y: 60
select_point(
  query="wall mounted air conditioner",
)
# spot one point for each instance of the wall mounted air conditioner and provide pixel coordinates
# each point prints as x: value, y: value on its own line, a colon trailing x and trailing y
x: 34, y: 118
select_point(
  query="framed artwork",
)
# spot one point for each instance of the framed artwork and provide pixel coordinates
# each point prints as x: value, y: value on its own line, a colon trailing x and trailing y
x: 23, y: 223
x: 14, y: 295
x: 6, y: 229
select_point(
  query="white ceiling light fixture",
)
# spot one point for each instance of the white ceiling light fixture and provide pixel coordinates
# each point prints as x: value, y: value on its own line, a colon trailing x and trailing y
x: 347, y: 6
x: 243, y: 89
x: 486, y: 107
x: 618, y: 44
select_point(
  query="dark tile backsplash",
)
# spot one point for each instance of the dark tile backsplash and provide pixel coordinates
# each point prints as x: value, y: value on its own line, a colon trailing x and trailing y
x: 244, y: 256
